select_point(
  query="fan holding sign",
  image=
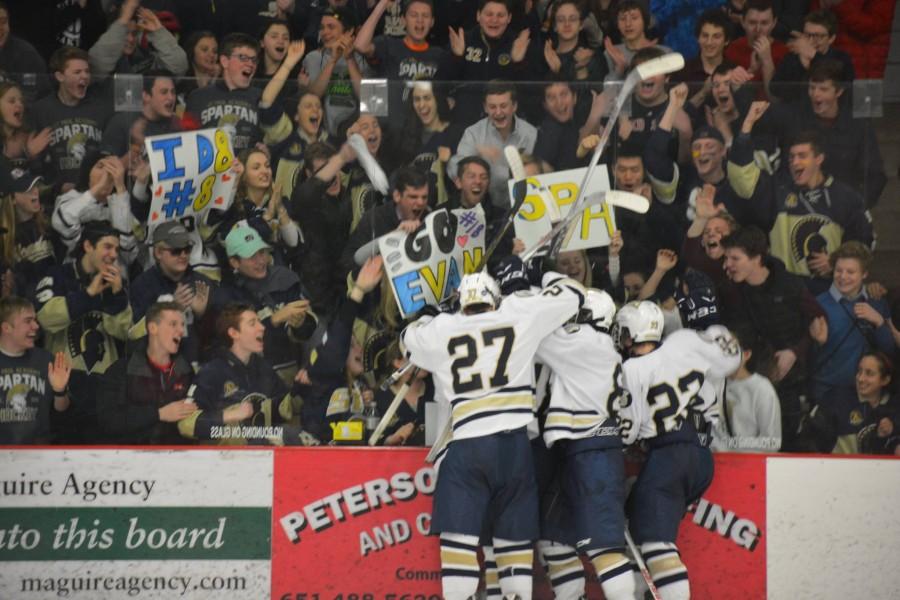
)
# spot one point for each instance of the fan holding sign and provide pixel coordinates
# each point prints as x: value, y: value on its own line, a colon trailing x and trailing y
x: 193, y: 173
x: 425, y: 266
x: 406, y: 212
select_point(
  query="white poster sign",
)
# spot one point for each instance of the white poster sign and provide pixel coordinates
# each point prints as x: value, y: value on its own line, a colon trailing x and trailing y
x: 425, y: 266
x: 591, y: 230
x: 191, y: 174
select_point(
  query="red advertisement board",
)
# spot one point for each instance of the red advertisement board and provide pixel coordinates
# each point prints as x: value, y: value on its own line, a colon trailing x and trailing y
x: 350, y: 524
x: 723, y: 540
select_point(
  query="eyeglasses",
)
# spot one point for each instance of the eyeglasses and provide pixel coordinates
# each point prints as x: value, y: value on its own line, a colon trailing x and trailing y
x: 816, y: 36
x: 246, y: 58
x: 574, y: 19
x: 178, y: 251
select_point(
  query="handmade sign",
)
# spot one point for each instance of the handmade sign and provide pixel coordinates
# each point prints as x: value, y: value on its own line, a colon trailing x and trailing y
x: 593, y: 229
x: 191, y: 174
x: 425, y: 266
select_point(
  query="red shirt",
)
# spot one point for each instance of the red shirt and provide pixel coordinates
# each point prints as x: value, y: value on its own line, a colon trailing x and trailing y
x: 739, y: 52
x: 864, y: 32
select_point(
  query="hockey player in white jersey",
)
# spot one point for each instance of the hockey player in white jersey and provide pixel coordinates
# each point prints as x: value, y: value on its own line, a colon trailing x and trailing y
x: 582, y: 426
x: 672, y: 408
x: 481, y: 358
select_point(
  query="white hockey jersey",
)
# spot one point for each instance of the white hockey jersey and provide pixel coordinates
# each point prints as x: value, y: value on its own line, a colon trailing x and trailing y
x: 679, y: 377
x: 586, y: 385
x: 484, y: 363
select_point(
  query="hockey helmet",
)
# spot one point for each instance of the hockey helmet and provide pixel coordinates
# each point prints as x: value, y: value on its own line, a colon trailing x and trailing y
x: 598, y: 310
x: 639, y: 321
x: 478, y: 288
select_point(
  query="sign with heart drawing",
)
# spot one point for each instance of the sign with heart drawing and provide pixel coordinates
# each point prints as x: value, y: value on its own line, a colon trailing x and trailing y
x: 193, y: 173
x: 425, y: 266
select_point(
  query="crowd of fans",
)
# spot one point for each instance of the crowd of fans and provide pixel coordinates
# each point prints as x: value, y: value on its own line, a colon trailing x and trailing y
x: 758, y: 175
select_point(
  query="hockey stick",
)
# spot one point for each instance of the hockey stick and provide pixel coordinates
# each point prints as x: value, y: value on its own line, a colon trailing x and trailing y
x: 392, y: 409
x: 395, y: 377
x: 643, y: 567
x: 369, y: 164
x: 667, y: 63
x: 517, y: 170
x: 520, y: 189
x: 628, y: 200
x: 441, y: 442
x: 519, y: 192
x: 633, y: 202
x: 662, y: 65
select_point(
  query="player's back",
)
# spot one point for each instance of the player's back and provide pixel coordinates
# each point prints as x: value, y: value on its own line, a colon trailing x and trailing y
x: 674, y: 384
x: 585, y: 382
x: 483, y: 362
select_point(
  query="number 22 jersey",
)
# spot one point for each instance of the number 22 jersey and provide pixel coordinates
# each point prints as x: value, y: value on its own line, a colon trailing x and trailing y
x: 677, y: 382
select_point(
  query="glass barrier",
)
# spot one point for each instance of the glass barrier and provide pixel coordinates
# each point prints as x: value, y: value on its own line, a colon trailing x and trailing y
x: 210, y: 159
x: 846, y: 119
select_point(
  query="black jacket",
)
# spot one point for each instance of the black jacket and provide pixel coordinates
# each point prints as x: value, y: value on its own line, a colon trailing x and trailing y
x: 326, y: 228
x: 131, y: 393
x: 778, y: 311
x: 280, y: 286
x: 20, y: 57
x: 557, y: 143
x: 225, y: 381
x: 789, y: 81
x: 852, y: 154
x: 486, y: 60
x: 153, y: 286
x: 374, y: 223
x: 327, y: 372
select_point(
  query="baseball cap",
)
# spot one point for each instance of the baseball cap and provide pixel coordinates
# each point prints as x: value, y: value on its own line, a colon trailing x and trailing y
x: 173, y: 234
x: 708, y: 132
x: 244, y: 241
x: 15, y: 180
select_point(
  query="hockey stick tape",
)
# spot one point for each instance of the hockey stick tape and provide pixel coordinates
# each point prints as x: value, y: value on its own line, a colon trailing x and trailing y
x: 514, y: 160
x: 369, y: 164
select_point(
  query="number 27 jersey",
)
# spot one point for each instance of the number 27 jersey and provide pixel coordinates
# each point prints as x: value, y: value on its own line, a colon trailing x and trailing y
x: 676, y: 379
x: 484, y: 363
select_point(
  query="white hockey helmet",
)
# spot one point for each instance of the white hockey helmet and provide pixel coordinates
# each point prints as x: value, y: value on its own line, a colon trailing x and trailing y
x: 640, y: 321
x: 598, y: 310
x: 478, y: 288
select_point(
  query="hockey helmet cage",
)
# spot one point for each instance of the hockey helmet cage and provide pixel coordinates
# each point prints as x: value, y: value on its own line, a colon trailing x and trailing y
x: 478, y: 288
x: 640, y: 321
x: 598, y: 310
